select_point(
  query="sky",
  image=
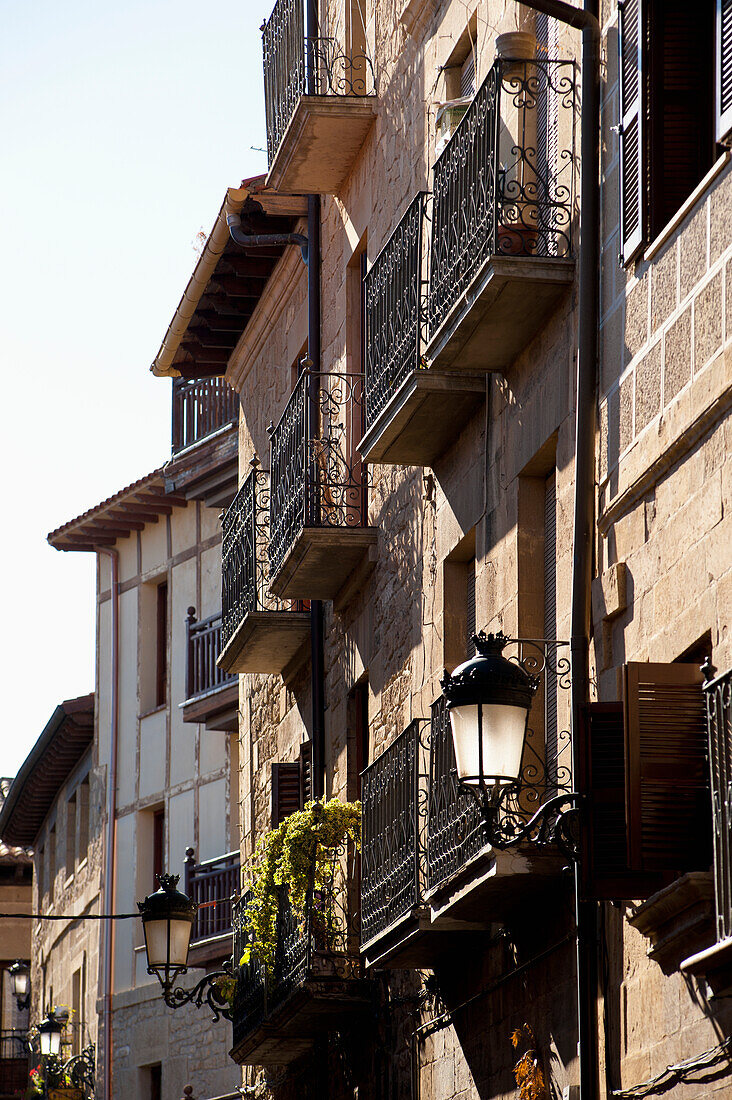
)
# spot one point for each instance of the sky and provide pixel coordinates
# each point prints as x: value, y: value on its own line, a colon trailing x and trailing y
x: 122, y: 125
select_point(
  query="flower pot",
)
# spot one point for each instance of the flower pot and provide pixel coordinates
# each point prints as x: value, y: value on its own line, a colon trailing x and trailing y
x: 65, y: 1092
x: 516, y: 46
x: 516, y: 240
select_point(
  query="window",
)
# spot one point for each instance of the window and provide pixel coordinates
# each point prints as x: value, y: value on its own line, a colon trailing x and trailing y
x: 71, y: 809
x: 645, y: 761
x: 156, y: 1082
x: 358, y: 748
x: 40, y: 869
x: 51, y: 862
x: 459, y: 613
x: 158, y: 846
x: 82, y: 813
x: 667, y: 107
x: 292, y: 784
x: 161, y: 649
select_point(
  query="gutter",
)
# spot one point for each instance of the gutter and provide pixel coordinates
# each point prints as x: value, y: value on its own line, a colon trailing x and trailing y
x: 216, y: 243
x: 111, y: 831
x: 585, y: 19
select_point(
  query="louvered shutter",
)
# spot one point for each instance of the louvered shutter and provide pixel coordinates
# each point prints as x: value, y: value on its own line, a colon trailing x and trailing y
x: 724, y: 69
x: 470, y: 608
x: 606, y: 874
x: 285, y: 791
x: 306, y: 772
x: 667, y: 774
x: 631, y: 128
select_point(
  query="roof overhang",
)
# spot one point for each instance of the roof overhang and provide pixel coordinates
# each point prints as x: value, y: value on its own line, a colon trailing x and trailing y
x: 226, y: 284
x: 130, y: 509
x: 66, y: 737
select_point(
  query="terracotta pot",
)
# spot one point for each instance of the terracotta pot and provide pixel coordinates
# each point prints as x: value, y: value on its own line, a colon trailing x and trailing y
x: 518, y: 46
x: 516, y: 240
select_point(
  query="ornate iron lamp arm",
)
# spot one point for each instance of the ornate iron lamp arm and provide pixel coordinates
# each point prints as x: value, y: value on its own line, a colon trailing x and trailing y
x: 554, y: 823
x: 82, y: 1068
x: 208, y: 990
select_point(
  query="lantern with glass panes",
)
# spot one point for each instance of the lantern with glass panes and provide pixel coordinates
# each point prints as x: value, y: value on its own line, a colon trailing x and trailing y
x: 20, y: 983
x: 167, y: 920
x: 488, y: 699
x: 79, y: 1070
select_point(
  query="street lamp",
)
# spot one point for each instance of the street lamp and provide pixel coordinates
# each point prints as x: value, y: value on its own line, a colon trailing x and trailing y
x: 488, y: 700
x: 20, y: 983
x: 167, y: 920
x: 49, y: 1035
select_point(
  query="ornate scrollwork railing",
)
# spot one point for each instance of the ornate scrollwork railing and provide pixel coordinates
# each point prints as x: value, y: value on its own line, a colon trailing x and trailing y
x: 319, y: 944
x: 295, y: 65
x: 392, y: 790
x: 317, y: 476
x: 244, y: 555
x: 456, y: 827
x: 504, y: 182
x: 393, y: 289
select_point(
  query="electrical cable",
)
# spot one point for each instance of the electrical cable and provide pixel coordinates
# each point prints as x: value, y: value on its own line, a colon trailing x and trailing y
x: 677, y: 1074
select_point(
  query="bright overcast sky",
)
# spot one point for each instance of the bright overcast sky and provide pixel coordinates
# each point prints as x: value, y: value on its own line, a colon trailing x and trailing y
x: 122, y: 124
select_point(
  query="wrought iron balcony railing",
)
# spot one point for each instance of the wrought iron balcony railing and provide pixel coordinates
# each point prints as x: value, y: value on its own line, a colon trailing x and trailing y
x: 244, y: 556
x: 420, y: 828
x: 295, y: 65
x: 719, y: 725
x: 203, y: 646
x: 394, y: 293
x: 201, y: 407
x: 320, y: 945
x: 15, y: 1051
x: 503, y: 186
x: 504, y: 183
x: 392, y: 799
x: 317, y: 476
x: 212, y: 885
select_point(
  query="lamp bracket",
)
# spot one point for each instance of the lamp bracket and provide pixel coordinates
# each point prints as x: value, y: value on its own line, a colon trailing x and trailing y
x: 208, y: 990
x: 555, y: 823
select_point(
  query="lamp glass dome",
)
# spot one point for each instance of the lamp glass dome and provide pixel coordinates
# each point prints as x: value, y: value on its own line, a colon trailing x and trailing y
x: 49, y: 1036
x: 501, y: 728
x: 489, y: 698
x: 19, y: 979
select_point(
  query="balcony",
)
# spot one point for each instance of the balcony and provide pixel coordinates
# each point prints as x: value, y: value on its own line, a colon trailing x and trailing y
x: 211, y: 885
x: 14, y: 1063
x: 472, y: 272
x: 315, y: 984
x: 212, y: 695
x: 429, y: 876
x: 319, y: 545
x: 320, y: 104
x: 205, y: 446
x: 260, y: 632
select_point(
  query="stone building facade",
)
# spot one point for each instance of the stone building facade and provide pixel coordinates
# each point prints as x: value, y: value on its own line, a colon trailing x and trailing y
x: 466, y: 330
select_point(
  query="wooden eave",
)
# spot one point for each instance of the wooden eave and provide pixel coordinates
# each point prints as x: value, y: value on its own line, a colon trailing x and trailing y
x: 208, y: 470
x: 65, y: 739
x: 131, y: 509
x: 227, y: 284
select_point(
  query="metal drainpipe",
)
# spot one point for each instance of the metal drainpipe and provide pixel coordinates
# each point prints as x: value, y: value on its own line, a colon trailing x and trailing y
x: 317, y: 659
x: 587, y: 20
x: 111, y: 837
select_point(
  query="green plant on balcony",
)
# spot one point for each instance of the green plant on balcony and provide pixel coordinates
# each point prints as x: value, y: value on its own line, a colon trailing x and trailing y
x: 298, y: 855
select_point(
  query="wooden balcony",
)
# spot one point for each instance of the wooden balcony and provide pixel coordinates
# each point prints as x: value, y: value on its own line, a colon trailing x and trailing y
x: 212, y: 694
x: 316, y: 984
x: 462, y: 287
x: 205, y: 441
x: 212, y: 885
x: 320, y: 104
x: 261, y: 633
x: 431, y: 882
x: 319, y: 545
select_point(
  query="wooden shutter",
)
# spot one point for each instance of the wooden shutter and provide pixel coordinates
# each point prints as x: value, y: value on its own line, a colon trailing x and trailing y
x: 723, y: 96
x: 631, y: 128
x: 667, y: 775
x: 306, y: 772
x: 285, y: 791
x: 606, y: 873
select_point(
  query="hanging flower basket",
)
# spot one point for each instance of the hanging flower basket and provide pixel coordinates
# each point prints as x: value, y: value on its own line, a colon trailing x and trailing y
x: 65, y: 1092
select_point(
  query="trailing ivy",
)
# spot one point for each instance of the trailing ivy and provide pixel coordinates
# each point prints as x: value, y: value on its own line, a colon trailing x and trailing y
x: 298, y: 855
